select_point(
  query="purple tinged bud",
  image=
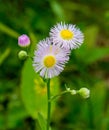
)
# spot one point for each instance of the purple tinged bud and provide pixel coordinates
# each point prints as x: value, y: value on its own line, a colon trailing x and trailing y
x: 23, y: 40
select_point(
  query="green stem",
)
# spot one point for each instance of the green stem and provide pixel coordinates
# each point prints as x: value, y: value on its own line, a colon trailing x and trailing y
x: 49, y: 104
x: 58, y: 95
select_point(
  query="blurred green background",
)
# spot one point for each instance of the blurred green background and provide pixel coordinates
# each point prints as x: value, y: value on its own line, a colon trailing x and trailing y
x: 88, y: 65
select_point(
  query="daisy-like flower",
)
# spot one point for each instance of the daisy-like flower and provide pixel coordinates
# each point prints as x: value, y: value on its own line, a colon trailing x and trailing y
x: 66, y: 35
x: 50, y: 59
x: 23, y: 40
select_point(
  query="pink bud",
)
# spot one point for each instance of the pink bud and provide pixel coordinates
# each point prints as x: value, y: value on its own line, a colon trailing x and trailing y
x: 23, y: 40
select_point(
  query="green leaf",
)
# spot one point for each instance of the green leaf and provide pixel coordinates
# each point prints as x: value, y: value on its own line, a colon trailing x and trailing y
x: 98, y: 101
x: 4, y: 55
x: 90, y: 36
x: 27, y: 90
x: 92, y: 55
x: 57, y: 9
x: 96, y: 54
x: 92, y: 109
x: 7, y: 30
x: 42, y: 121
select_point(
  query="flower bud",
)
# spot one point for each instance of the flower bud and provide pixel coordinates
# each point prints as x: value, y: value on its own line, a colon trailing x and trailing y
x: 73, y: 92
x: 68, y: 89
x: 22, y: 55
x: 84, y: 92
x: 23, y: 40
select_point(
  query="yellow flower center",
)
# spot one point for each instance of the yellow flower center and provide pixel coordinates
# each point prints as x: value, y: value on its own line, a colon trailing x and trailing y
x: 49, y: 61
x: 66, y: 34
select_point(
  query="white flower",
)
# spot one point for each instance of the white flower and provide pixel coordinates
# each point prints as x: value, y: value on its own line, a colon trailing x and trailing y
x: 50, y: 59
x: 66, y: 35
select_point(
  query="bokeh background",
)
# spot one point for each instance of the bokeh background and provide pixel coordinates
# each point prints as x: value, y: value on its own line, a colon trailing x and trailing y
x: 88, y: 65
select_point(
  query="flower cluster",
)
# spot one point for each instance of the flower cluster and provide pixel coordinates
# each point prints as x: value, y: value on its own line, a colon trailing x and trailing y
x: 52, y: 53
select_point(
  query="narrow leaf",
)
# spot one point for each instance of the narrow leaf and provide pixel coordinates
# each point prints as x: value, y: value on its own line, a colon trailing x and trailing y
x: 4, y: 55
x: 42, y: 121
x: 96, y: 54
x: 7, y: 30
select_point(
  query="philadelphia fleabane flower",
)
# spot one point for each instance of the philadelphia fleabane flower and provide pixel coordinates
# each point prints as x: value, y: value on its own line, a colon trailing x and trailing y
x: 66, y: 35
x: 23, y: 40
x: 49, y: 59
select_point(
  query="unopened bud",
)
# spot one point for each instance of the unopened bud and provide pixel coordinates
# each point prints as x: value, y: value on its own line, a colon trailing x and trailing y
x: 68, y: 89
x: 73, y: 92
x: 22, y: 55
x: 23, y: 40
x: 84, y: 92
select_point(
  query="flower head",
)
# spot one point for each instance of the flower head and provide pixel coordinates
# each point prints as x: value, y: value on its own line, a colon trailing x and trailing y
x: 50, y: 59
x: 66, y: 35
x: 23, y: 40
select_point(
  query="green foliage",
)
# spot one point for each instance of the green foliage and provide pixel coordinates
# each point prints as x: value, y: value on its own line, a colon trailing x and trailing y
x: 100, y: 54
x: 57, y: 9
x: 89, y: 52
x: 22, y: 91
